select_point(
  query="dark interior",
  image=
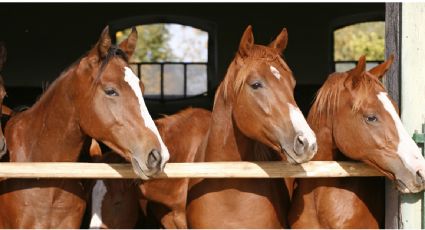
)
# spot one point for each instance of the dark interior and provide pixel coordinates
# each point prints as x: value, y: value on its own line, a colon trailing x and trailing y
x: 43, y: 39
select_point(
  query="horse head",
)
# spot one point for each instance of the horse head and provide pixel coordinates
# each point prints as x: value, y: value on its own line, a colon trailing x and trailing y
x: 112, y: 108
x: 259, y: 86
x: 366, y: 125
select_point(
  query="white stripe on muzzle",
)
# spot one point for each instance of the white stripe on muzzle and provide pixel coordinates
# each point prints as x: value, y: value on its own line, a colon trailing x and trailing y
x: 300, y: 124
x: 134, y: 83
x: 407, y: 150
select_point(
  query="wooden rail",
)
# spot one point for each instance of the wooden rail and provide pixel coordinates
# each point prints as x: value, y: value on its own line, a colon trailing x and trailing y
x: 190, y: 170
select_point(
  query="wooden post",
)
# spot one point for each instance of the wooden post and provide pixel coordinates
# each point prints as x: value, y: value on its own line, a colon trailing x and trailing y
x: 392, y: 83
x: 412, y: 95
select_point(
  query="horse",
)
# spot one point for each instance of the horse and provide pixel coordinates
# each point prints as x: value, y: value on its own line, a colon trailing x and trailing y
x: 98, y: 97
x: 254, y: 118
x: 160, y: 202
x: 3, y: 57
x: 355, y: 119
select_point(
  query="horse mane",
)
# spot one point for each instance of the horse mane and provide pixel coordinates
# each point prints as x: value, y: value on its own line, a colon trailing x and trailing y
x: 238, y: 76
x: 114, y: 51
x: 327, y: 98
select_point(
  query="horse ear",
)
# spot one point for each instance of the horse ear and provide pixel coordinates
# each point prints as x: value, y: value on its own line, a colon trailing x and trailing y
x: 129, y: 44
x: 104, y: 43
x: 280, y: 42
x: 247, y: 41
x: 357, y: 72
x: 95, y: 151
x: 382, y: 68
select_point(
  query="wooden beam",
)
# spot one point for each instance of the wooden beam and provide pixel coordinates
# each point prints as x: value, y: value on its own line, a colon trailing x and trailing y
x: 393, y: 46
x: 190, y: 170
x: 392, y: 83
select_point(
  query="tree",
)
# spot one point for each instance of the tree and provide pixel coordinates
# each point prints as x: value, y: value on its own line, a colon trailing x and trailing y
x: 360, y: 39
x: 152, y: 43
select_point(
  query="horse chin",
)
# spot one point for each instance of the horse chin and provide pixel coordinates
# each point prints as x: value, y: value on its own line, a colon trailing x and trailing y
x: 3, y: 149
x: 138, y: 169
x: 402, y: 187
x: 284, y: 153
x: 410, y: 185
x: 400, y: 184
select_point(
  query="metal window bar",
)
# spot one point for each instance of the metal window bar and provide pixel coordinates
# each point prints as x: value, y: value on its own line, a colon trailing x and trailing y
x: 162, y: 65
x: 354, y: 63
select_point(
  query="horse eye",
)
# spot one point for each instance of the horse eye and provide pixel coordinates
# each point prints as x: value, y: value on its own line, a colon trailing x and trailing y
x: 111, y: 92
x: 256, y: 85
x: 371, y: 118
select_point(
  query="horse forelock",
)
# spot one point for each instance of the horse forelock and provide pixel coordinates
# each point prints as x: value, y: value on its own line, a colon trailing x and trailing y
x: 238, y: 70
x: 113, y: 52
x: 365, y: 88
x: 328, y: 97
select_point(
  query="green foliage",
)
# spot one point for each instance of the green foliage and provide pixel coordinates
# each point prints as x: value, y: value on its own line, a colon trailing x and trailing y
x: 352, y: 41
x: 151, y: 44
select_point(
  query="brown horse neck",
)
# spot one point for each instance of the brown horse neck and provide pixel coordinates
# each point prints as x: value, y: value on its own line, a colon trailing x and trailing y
x: 327, y: 149
x: 225, y: 142
x: 51, y: 125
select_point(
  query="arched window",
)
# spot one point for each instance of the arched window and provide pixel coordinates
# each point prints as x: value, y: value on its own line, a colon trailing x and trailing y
x: 353, y: 38
x: 174, y: 57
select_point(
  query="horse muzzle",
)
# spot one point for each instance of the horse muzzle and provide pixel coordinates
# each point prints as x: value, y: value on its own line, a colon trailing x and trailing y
x: 412, y: 184
x: 304, y: 148
x: 148, y: 168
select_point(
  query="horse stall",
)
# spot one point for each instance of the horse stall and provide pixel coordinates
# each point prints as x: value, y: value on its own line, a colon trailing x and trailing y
x: 42, y: 39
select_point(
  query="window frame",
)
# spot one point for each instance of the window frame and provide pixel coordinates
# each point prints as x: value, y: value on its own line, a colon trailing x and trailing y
x: 198, y: 23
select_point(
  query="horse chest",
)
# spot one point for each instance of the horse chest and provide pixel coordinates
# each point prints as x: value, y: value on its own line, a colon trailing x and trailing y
x: 235, y: 203
x: 338, y: 203
x: 35, y: 204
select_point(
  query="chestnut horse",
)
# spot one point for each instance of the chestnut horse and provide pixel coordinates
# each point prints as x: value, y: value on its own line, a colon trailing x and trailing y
x: 3, y: 57
x: 165, y: 199
x: 100, y: 97
x: 254, y: 118
x: 355, y: 119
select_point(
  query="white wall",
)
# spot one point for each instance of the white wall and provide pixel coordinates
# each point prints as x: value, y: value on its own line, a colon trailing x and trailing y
x: 412, y: 92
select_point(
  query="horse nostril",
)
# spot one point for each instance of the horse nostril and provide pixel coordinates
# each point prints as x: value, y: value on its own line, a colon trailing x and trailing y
x: 314, y: 147
x: 300, y: 140
x: 300, y: 144
x: 154, y: 159
x: 420, y: 177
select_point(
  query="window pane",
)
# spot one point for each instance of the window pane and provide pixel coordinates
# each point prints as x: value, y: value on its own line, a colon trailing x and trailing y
x: 196, y: 79
x: 344, y: 66
x: 151, y: 78
x: 168, y: 42
x: 371, y: 64
x: 187, y: 43
x: 134, y: 68
x: 173, y: 81
x: 352, y: 41
x: 173, y: 45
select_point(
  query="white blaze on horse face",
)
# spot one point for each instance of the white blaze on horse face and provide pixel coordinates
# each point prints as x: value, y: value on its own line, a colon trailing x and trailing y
x: 275, y: 72
x: 300, y: 124
x: 407, y: 150
x: 98, y: 193
x: 134, y: 81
